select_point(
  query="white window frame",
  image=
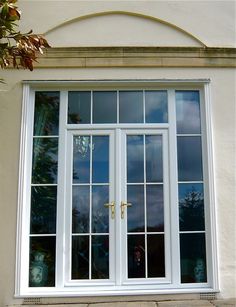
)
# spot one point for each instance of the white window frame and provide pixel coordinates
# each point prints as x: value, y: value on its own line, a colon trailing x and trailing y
x: 22, y: 244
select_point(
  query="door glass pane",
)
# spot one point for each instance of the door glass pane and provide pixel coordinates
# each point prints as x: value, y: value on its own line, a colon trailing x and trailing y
x: 155, y: 208
x: 80, y: 209
x: 100, y: 257
x: 188, y: 112
x: 156, y: 107
x: 104, y: 107
x: 191, y: 206
x: 156, y: 255
x: 154, y: 168
x: 79, y: 107
x: 42, y: 261
x: 135, y: 159
x: 81, y: 159
x: 80, y: 257
x: 100, y: 214
x: 100, y: 159
x: 135, y: 214
x: 46, y: 114
x: 193, y: 258
x: 44, y: 168
x: 189, y: 158
x: 43, y: 209
x: 131, y: 106
x: 136, y: 256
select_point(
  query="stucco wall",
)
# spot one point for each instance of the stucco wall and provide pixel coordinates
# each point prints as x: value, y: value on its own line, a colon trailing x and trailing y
x: 210, y: 23
x: 223, y: 114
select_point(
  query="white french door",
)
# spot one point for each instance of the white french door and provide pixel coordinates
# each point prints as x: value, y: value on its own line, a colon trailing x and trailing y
x: 117, y: 207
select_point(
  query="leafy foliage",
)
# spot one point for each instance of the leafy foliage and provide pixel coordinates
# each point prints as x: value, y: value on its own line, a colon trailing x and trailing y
x: 17, y: 49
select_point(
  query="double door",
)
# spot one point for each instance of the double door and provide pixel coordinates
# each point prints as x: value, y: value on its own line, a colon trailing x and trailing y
x: 117, y: 207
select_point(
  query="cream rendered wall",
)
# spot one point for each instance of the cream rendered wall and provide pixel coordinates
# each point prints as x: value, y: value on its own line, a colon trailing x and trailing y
x: 212, y: 23
x: 223, y: 115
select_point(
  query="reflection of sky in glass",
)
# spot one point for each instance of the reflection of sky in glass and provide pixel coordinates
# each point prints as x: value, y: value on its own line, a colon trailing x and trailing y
x: 188, y: 112
x: 104, y: 107
x: 135, y: 158
x: 100, y: 214
x: 100, y: 159
x: 131, y: 106
x: 80, y: 209
x: 81, y: 163
x: 156, y: 107
x: 135, y: 195
x: 79, y: 105
x: 155, y: 208
x: 189, y: 158
x: 191, y: 206
x: 154, y: 168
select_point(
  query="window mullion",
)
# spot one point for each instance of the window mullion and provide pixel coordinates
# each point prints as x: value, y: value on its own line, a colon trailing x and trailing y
x: 60, y: 237
x: 173, y: 190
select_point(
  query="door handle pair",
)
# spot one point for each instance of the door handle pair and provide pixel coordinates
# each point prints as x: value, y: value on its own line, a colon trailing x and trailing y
x: 122, y: 206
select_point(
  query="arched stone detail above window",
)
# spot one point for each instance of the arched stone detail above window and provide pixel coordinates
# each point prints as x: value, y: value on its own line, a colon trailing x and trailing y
x: 120, y: 28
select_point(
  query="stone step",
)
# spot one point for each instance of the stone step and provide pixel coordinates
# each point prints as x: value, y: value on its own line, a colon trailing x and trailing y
x: 184, y: 303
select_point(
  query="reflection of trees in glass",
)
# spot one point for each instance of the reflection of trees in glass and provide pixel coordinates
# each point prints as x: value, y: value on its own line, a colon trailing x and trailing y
x: 80, y: 221
x: 191, y: 211
x: 80, y: 257
x: 44, y: 168
x: 46, y: 118
x: 100, y: 257
x: 43, y: 209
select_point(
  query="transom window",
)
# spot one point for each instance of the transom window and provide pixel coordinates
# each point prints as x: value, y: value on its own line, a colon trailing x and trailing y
x: 117, y: 194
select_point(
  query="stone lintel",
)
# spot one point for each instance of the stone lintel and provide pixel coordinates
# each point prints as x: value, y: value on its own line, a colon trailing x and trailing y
x: 82, y: 57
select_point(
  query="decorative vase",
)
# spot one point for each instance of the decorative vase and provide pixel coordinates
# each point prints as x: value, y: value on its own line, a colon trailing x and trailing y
x: 38, y: 271
x: 199, y: 270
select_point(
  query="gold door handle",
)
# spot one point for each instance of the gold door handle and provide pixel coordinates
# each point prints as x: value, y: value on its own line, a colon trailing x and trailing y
x: 112, y: 206
x: 122, y: 206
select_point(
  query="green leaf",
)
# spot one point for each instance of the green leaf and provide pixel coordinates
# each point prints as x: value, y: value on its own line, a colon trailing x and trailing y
x: 4, y: 10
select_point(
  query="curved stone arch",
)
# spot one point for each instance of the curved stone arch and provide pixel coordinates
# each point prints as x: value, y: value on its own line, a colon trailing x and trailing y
x: 135, y: 14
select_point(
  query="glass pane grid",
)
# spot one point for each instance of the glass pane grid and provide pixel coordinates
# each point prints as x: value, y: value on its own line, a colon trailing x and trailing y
x: 190, y: 185
x: 138, y: 240
x: 92, y: 242
x: 43, y: 208
x: 107, y: 107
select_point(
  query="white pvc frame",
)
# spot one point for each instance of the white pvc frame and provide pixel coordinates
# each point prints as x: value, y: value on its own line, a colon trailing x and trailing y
x: 22, y: 244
